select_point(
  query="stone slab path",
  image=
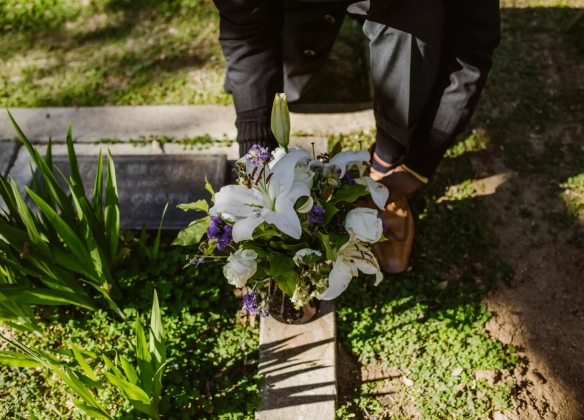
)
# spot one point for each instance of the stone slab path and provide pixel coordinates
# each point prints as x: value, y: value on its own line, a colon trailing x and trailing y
x: 175, y: 121
x: 298, y: 364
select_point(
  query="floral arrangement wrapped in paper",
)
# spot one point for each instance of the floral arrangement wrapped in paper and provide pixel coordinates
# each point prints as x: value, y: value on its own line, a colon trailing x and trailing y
x: 291, y: 220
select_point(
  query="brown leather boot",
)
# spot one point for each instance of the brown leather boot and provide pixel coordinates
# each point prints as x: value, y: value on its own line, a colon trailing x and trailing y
x: 393, y: 255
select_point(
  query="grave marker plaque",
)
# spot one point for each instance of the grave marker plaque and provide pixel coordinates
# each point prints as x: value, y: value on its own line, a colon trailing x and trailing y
x: 147, y: 183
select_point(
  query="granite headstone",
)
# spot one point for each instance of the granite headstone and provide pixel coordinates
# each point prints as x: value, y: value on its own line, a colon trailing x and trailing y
x: 7, y: 153
x: 147, y: 183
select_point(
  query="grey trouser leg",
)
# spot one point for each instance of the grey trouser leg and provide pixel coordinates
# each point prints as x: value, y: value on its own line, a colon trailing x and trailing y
x: 405, y: 42
x: 472, y: 33
x: 430, y: 60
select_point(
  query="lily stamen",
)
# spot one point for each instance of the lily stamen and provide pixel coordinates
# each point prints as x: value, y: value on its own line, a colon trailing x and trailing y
x: 260, y: 176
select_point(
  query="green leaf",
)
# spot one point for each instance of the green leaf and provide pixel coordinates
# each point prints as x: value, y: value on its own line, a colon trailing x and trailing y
x: 73, y: 164
x: 29, y: 222
x: 84, y: 365
x: 97, y: 201
x: 286, y: 282
x: 42, y: 297
x: 200, y: 205
x: 209, y: 188
x: 144, y: 359
x: 157, y: 346
x: 66, y: 375
x: 92, y: 412
x: 112, y: 210
x: 18, y: 360
x: 339, y: 239
x: 326, y: 243
x: 262, y: 252
x: 329, y: 211
x: 135, y: 394
x: 110, y: 366
x: 129, y: 370
x: 157, y: 240
x: 336, y: 149
x: 194, y: 233
x: 349, y: 193
x: 60, y: 196
x: 75, y: 245
x: 294, y: 248
x: 281, y: 264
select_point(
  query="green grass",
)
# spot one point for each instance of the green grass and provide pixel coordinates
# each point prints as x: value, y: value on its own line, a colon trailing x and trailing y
x: 212, y: 371
x: 134, y: 52
x: 429, y: 321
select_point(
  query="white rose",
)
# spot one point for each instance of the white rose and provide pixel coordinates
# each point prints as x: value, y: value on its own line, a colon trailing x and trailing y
x: 240, y: 267
x: 364, y: 224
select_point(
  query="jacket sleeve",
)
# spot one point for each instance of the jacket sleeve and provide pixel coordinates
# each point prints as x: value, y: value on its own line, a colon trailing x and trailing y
x: 472, y: 33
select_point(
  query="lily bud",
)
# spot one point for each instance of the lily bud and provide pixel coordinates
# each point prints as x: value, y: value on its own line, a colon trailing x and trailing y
x: 281, y: 120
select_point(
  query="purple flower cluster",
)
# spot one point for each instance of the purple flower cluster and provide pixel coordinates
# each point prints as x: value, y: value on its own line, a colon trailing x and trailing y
x: 219, y: 231
x: 259, y: 155
x: 383, y: 224
x: 316, y: 215
x: 347, y: 179
x: 250, y: 306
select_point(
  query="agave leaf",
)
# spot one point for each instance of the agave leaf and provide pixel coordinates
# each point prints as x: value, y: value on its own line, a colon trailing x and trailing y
x: 29, y: 223
x: 135, y: 394
x: 97, y: 201
x: 144, y: 359
x: 84, y: 365
x: 48, y: 297
x: 66, y: 374
x: 92, y: 412
x: 157, y: 240
x: 9, y: 200
x: 91, y: 229
x: 50, y: 180
x: 75, y: 245
x: 112, y: 211
x: 110, y: 366
x: 157, y: 386
x: 18, y: 360
x: 73, y: 165
x: 129, y: 370
x: 157, y: 346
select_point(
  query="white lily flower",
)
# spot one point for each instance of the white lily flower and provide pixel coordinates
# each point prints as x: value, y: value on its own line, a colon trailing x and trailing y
x: 364, y: 224
x: 279, y: 152
x: 346, y: 160
x: 379, y: 192
x: 240, y: 267
x: 353, y: 257
x: 271, y: 198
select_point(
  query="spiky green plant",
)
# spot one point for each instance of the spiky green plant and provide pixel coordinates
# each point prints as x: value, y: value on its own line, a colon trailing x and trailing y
x: 141, y: 384
x: 45, y: 257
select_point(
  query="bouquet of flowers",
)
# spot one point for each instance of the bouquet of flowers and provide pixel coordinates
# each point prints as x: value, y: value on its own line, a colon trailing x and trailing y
x: 291, y: 218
